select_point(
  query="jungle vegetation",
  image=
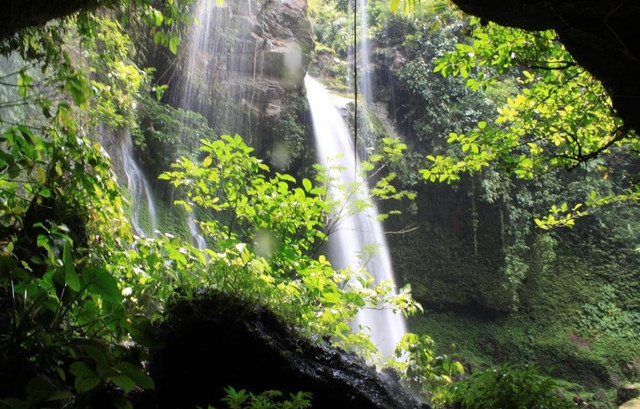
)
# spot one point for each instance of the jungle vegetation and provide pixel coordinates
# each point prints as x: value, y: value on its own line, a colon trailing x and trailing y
x: 543, y: 169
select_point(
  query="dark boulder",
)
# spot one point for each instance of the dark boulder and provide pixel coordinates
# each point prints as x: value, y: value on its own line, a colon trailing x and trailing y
x: 217, y: 341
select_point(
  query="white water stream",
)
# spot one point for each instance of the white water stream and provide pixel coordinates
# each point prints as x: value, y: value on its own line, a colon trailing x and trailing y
x: 358, y: 231
x: 119, y: 145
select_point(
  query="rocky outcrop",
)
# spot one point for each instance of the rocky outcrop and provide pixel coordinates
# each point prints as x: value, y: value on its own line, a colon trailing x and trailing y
x: 242, y: 60
x: 217, y: 341
x: 602, y: 35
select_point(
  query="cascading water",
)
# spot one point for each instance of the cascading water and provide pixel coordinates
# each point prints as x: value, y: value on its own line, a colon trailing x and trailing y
x: 119, y: 145
x: 194, y: 230
x: 217, y: 59
x: 358, y: 231
x: 222, y: 57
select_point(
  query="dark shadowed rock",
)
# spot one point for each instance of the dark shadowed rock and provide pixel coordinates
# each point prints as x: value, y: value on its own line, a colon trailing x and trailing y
x: 217, y: 341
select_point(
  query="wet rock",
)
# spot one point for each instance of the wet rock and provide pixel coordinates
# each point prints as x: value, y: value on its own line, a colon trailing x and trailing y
x: 216, y: 341
x: 243, y: 68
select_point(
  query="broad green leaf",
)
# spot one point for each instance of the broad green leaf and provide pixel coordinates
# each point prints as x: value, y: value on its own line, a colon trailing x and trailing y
x: 70, y: 275
x: 97, y: 354
x: 86, y: 378
x: 174, y: 254
x: 142, y: 332
x: 306, y: 183
x: 81, y: 369
x: 120, y: 402
x: 86, y: 384
x: 102, y: 283
x: 38, y: 390
x: 123, y: 381
x: 139, y: 376
x: 174, y: 42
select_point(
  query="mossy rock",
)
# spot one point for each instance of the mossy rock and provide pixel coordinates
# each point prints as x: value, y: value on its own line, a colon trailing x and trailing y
x: 632, y: 404
x: 628, y: 392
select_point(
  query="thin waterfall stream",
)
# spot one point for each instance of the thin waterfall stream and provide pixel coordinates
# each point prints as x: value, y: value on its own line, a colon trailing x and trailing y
x: 119, y: 145
x: 356, y: 232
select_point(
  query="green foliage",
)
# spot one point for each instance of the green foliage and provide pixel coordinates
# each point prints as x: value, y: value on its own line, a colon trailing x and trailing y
x: 506, y: 386
x: 116, y: 81
x: 559, y: 117
x: 262, y: 232
x: 422, y: 369
x: 265, y: 400
x: 64, y: 320
x: 164, y: 134
x: 331, y: 27
x: 603, y: 316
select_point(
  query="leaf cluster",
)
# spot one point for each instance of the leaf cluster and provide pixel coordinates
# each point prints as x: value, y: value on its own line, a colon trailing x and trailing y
x: 241, y: 399
x: 558, y: 117
x: 506, y: 386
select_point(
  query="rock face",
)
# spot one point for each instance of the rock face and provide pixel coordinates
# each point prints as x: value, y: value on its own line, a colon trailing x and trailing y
x: 242, y: 61
x: 602, y: 35
x: 217, y: 341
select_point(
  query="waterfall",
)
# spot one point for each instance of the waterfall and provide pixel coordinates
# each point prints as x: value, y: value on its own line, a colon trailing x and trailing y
x: 358, y: 231
x: 203, y: 49
x: 194, y: 230
x: 119, y: 146
x: 222, y: 60
x: 218, y: 59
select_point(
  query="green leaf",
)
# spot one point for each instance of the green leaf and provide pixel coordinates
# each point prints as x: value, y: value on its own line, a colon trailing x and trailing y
x: 81, y: 369
x: 60, y: 395
x: 86, y: 378
x: 70, y: 275
x: 123, y: 381
x: 120, y: 402
x: 97, y: 355
x: 139, y: 376
x: 102, y: 283
x: 38, y: 390
x: 142, y: 332
x: 306, y: 183
x: 174, y: 254
x: 174, y: 41
x: 13, y: 403
x: 157, y: 38
x: 287, y: 177
x: 86, y: 384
